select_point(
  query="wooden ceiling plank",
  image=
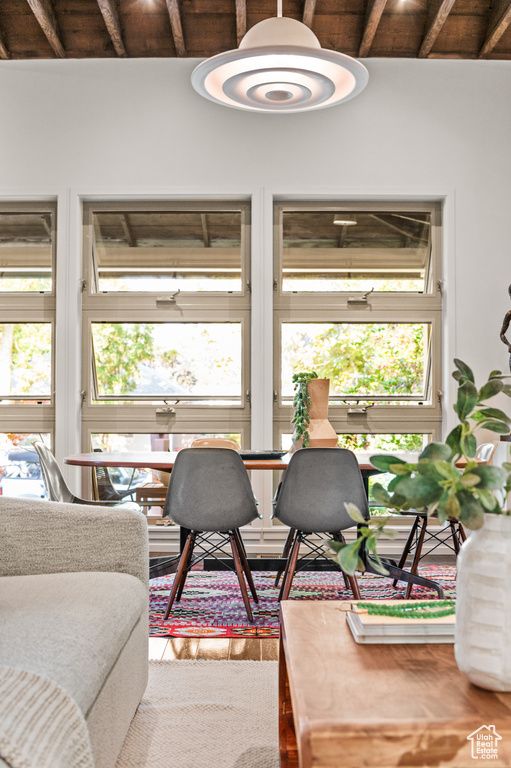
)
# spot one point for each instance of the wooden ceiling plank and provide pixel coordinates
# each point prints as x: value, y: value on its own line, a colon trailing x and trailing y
x: 108, y: 10
x: 45, y: 15
x: 496, y: 30
x: 435, y: 27
x: 374, y: 15
x: 177, y: 29
x: 308, y: 12
x: 241, y: 20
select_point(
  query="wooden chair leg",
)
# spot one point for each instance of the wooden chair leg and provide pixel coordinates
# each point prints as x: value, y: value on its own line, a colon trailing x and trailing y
x: 244, y: 563
x: 417, y: 556
x: 239, y: 574
x: 286, y: 568
x: 407, y: 548
x: 186, y: 568
x: 461, y: 533
x: 179, y: 575
x: 292, y: 560
x: 339, y: 537
x: 285, y: 553
x: 352, y: 580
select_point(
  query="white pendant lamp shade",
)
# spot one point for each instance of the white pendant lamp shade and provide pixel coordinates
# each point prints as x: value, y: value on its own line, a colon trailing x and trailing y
x: 280, y: 67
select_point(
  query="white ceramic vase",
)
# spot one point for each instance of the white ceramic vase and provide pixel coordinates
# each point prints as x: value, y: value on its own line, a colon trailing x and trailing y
x: 483, y: 605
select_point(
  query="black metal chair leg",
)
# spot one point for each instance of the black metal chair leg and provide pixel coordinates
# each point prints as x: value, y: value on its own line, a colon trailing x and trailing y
x: 417, y: 556
x: 407, y: 548
x: 400, y: 575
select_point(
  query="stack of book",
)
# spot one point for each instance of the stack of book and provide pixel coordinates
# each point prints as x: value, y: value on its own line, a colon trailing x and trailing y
x: 370, y: 628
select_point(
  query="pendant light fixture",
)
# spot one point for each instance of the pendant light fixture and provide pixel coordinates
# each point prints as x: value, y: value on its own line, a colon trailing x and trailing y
x: 280, y: 66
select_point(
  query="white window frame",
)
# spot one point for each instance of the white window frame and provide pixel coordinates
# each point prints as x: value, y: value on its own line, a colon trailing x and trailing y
x: 185, y: 417
x: 331, y: 307
x: 31, y: 307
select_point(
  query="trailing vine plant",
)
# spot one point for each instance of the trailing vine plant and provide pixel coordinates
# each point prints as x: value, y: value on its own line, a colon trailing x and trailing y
x: 301, y: 404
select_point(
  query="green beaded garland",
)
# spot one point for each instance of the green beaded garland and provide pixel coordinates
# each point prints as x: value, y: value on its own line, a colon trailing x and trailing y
x: 419, y: 610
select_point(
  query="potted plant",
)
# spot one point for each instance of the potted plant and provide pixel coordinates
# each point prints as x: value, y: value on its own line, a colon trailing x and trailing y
x: 310, y: 419
x: 446, y: 482
x: 301, y: 404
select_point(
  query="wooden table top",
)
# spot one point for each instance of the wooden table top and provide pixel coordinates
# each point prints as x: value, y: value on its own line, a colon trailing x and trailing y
x: 381, y: 705
x: 163, y: 460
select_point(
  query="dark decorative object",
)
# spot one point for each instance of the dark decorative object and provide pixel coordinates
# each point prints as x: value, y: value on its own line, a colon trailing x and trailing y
x: 503, y: 330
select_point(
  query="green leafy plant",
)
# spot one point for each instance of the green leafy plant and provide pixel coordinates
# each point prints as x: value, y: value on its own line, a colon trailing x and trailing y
x: 434, y: 483
x: 348, y: 555
x: 301, y: 404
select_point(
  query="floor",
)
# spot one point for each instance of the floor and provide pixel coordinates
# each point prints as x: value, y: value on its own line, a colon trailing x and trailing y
x: 217, y: 648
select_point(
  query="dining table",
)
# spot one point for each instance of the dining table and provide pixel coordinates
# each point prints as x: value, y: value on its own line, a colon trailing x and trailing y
x: 253, y: 460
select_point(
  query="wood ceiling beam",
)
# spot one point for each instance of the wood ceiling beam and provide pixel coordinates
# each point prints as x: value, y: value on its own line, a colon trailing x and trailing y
x: 435, y: 27
x: 177, y: 29
x: 205, y: 233
x: 375, y: 11
x: 496, y: 29
x: 308, y: 12
x: 4, y: 51
x: 241, y: 20
x: 45, y: 15
x: 108, y: 10
x: 342, y: 236
x: 128, y: 233
x: 398, y: 229
x: 46, y: 222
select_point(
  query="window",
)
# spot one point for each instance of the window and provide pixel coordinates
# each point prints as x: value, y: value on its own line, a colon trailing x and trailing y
x: 166, y: 315
x: 358, y: 300
x: 27, y: 319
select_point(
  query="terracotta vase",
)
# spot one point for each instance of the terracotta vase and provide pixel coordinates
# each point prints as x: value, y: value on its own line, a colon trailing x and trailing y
x: 321, y: 432
x: 483, y: 605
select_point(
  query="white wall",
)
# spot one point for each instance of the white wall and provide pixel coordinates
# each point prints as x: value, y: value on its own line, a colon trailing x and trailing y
x: 425, y: 128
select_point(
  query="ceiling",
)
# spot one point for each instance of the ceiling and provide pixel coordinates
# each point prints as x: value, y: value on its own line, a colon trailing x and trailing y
x: 81, y: 29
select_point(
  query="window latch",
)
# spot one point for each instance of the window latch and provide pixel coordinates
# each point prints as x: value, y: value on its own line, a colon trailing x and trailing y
x: 361, y: 409
x: 360, y: 299
x: 168, y: 411
x: 170, y: 299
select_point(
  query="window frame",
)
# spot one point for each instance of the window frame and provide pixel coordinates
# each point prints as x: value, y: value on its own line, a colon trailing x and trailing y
x: 334, y: 306
x: 21, y: 307
x: 155, y: 417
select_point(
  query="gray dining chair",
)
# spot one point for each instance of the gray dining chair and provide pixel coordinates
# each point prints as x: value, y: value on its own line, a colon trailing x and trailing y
x: 57, y: 488
x: 310, y: 500
x: 210, y: 493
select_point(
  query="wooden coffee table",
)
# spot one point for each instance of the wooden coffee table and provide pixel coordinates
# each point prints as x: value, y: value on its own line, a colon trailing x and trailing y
x: 344, y: 705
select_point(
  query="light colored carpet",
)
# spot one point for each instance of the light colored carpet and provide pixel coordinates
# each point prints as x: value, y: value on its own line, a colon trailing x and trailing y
x: 206, y: 714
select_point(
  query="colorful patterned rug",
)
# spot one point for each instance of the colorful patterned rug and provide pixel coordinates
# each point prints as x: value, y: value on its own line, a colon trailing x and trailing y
x: 211, y: 604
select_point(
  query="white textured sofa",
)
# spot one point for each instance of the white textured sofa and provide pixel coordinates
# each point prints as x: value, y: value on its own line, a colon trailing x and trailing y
x: 73, y: 610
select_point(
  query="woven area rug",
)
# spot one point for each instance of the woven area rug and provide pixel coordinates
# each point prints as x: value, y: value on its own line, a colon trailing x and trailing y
x: 206, y: 714
x: 211, y: 604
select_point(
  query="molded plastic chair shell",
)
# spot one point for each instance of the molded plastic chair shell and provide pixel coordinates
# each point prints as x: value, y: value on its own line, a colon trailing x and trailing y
x: 56, y: 486
x: 215, y: 442
x: 209, y: 490
x: 315, y: 487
